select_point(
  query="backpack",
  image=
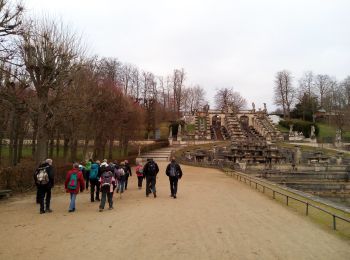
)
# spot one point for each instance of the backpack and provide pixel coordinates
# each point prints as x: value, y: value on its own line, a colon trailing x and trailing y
x: 106, y: 179
x: 93, y: 174
x: 152, y: 168
x: 42, y: 177
x: 73, y: 181
x: 119, y: 172
x: 173, y: 171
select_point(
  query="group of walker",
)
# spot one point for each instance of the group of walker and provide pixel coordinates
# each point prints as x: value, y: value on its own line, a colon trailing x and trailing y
x: 104, y: 178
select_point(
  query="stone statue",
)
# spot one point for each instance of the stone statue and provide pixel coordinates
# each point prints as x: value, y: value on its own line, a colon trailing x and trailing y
x: 253, y: 105
x: 206, y: 108
x: 265, y: 109
x: 312, y: 134
x: 291, y: 129
x: 171, y: 132
x: 338, y: 138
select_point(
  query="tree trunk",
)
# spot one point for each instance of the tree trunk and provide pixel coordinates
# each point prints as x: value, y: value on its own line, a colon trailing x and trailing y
x: 1, y: 137
x: 110, y: 149
x: 58, y: 145
x: 20, y: 148
x: 35, y: 132
x: 43, y: 136
x: 73, y: 150
x: 86, y: 146
x: 51, y: 146
x: 65, y: 148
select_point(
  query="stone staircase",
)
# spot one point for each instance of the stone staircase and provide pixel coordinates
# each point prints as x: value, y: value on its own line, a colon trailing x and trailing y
x: 159, y: 155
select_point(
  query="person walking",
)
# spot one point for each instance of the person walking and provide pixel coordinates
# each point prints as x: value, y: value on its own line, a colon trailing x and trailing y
x: 150, y: 171
x: 107, y: 182
x: 94, y: 176
x: 139, y: 174
x: 44, y: 181
x: 74, y: 182
x: 174, y: 172
x: 120, y: 175
x: 128, y: 173
x: 87, y: 173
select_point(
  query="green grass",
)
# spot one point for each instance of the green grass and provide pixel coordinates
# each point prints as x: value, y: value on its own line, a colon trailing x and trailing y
x: 330, y: 131
x: 282, y: 128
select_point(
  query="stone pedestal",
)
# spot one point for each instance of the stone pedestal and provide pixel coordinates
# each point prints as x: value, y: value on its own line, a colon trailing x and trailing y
x: 297, y: 155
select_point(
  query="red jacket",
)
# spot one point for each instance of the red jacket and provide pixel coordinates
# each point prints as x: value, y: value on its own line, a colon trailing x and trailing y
x: 80, y: 180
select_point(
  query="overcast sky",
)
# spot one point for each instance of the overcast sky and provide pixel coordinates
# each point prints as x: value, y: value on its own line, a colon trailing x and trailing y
x: 239, y: 44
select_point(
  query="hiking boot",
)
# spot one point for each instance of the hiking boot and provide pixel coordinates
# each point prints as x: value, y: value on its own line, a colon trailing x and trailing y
x: 71, y: 210
x: 42, y: 211
x: 48, y: 210
x: 174, y: 196
x: 110, y: 208
x: 100, y: 210
x: 154, y: 194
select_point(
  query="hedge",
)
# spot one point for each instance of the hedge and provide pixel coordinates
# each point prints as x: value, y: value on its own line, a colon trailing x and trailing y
x: 300, y: 126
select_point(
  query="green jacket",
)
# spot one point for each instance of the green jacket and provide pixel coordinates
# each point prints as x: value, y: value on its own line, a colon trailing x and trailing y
x: 88, y: 166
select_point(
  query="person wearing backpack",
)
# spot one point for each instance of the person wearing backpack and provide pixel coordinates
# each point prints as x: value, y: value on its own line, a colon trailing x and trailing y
x: 44, y: 181
x: 87, y: 173
x: 174, y: 172
x: 121, y: 176
x: 139, y: 174
x: 128, y: 173
x: 150, y: 171
x: 107, y: 182
x: 74, y: 182
x: 94, y: 177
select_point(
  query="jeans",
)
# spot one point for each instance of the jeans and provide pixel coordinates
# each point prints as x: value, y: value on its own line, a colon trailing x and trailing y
x: 109, y: 195
x: 42, y: 191
x: 173, y: 185
x: 121, y: 186
x: 73, y: 196
x: 150, y: 185
x: 140, y: 180
x: 95, y: 183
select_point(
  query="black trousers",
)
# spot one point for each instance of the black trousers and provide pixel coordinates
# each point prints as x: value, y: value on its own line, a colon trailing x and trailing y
x: 94, y: 184
x: 109, y: 195
x: 87, y: 175
x: 139, y: 181
x: 173, y: 185
x: 44, y: 193
x: 150, y: 184
x: 126, y: 182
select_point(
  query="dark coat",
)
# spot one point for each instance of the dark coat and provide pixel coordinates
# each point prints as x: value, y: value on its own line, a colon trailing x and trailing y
x: 177, y: 169
x: 147, y: 171
x: 50, y: 172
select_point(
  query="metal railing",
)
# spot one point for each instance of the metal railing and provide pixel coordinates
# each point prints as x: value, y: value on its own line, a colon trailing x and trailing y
x: 240, y: 176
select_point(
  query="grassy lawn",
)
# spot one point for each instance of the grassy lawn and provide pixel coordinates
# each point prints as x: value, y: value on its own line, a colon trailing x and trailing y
x: 330, y: 131
x: 282, y: 128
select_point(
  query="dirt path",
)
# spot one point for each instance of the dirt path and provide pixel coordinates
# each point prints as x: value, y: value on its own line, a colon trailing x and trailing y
x: 214, y: 217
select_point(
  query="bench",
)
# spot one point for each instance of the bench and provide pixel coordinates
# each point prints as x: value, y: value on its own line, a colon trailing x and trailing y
x: 5, y: 193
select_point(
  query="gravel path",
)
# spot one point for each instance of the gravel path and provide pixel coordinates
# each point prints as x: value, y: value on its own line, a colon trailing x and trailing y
x: 214, y: 217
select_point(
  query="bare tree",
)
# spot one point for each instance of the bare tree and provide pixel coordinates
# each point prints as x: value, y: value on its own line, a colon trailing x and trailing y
x: 284, y: 92
x: 10, y: 21
x: 178, y: 81
x: 49, y: 52
x: 227, y: 97
x: 323, y: 83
